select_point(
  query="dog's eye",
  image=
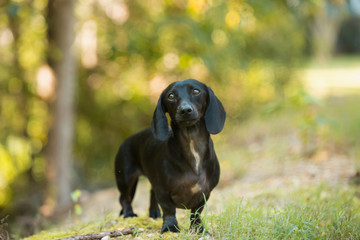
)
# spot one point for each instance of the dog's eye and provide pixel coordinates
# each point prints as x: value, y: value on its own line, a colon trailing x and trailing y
x: 196, y: 91
x: 171, y: 96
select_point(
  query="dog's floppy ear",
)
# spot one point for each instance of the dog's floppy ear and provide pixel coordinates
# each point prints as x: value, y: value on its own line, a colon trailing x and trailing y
x: 159, y: 124
x: 215, y: 114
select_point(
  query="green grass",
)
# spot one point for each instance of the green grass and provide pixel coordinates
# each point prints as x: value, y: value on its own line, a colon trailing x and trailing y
x: 311, y: 212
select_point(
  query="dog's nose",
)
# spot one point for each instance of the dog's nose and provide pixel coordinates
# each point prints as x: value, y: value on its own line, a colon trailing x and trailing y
x: 185, y: 108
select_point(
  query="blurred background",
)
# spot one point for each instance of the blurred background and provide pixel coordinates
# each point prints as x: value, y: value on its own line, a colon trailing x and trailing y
x: 79, y: 77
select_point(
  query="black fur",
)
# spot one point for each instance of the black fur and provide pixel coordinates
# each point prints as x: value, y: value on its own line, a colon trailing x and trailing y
x: 179, y: 161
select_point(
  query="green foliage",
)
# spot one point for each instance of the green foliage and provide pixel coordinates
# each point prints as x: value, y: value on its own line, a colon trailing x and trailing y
x: 75, y: 197
x: 127, y: 53
x: 24, y: 117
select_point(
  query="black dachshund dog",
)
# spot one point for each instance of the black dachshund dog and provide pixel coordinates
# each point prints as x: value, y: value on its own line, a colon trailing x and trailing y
x: 179, y: 161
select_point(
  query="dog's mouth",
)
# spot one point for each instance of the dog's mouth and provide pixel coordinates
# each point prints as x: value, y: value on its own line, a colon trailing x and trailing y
x: 187, y: 122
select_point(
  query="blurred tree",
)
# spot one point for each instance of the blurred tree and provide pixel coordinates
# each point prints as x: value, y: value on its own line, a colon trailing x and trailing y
x: 61, y: 37
x: 325, y: 27
x: 322, y: 20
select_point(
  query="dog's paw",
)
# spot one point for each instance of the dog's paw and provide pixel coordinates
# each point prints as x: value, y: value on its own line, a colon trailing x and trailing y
x: 172, y: 228
x: 155, y: 213
x: 170, y: 224
x: 130, y: 214
x: 127, y: 214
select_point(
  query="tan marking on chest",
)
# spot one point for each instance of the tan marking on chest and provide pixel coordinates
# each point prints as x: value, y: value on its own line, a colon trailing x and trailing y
x: 196, y: 188
x: 196, y: 155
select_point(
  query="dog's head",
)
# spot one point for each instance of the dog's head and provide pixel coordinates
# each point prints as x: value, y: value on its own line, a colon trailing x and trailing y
x: 187, y: 102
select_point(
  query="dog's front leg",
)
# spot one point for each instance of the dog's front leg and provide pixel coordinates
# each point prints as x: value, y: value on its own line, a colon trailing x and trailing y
x: 170, y: 224
x: 169, y: 218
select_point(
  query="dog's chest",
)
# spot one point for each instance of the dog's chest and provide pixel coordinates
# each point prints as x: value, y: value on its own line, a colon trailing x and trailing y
x: 195, y: 153
x: 190, y: 190
x: 195, y: 156
x: 190, y: 185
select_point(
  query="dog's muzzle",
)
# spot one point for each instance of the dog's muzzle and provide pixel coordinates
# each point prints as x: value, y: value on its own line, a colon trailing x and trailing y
x: 186, y: 115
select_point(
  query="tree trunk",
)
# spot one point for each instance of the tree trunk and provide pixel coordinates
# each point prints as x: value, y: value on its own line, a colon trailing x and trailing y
x: 61, y: 35
x: 325, y: 29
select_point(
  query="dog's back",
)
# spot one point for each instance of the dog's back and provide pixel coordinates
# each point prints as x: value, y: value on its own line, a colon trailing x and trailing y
x: 132, y: 150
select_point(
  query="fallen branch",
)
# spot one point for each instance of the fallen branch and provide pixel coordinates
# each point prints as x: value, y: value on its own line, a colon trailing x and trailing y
x: 93, y: 236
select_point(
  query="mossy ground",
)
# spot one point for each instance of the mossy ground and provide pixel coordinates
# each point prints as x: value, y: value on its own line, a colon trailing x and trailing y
x: 309, y: 212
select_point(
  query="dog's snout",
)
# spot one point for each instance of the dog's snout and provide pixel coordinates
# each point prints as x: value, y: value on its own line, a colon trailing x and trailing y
x: 185, y: 109
x: 186, y: 114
